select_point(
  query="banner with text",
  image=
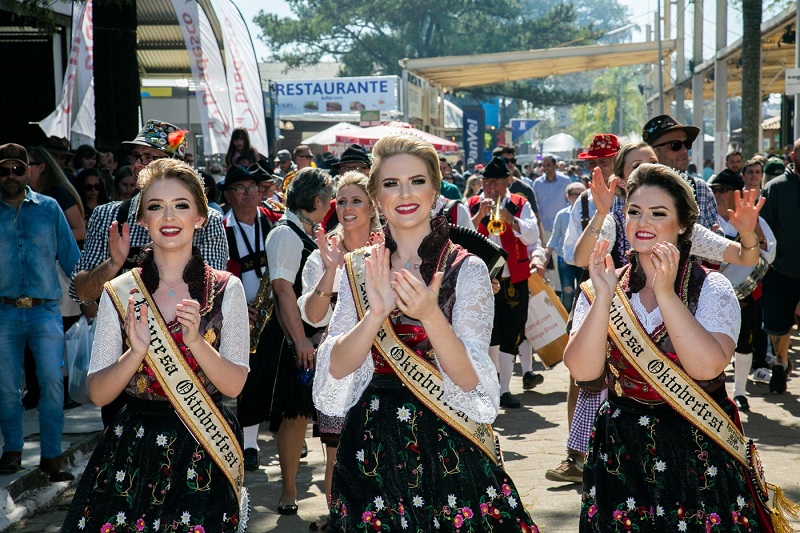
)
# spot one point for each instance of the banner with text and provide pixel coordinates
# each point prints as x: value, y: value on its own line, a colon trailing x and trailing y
x: 212, y: 98
x: 244, y: 82
x: 78, y: 80
x: 338, y: 95
x: 474, y: 126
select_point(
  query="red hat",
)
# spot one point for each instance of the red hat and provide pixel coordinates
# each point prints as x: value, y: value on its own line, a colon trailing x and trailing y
x: 603, y: 145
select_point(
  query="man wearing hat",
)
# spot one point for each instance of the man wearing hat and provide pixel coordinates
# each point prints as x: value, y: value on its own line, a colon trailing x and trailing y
x: 58, y: 147
x: 268, y: 189
x: 671, y: 141
x: 782, y: 281
x: 355, y: 157
x: 114, y: 239
x: 724, y: 186
x: 774, y: 167
x: 511, y: 302
x: 34, y: 235
x: 284, y: 164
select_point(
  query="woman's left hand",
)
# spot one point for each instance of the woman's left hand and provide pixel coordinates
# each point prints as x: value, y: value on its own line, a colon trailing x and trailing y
x: 414, y: 298
x: 666, y: 258
x: 745, y: 217
x: 188, y: 315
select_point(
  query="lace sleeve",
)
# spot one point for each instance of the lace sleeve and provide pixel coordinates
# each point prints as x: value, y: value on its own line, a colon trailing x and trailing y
x: 608, y: 231
x: 334, y: 397
x: 579, y: 312
x: 718, y: 309
x: 107, y: 346
x: 474, y: 302
x: 707, y: 244
x: 234, y: 344
x: 312, y: 273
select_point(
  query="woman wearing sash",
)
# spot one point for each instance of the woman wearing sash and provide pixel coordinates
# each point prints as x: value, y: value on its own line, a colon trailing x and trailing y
x: 649, y: 468
x: 173, y: 335
x: 406, y: 360
x: 358, y: 225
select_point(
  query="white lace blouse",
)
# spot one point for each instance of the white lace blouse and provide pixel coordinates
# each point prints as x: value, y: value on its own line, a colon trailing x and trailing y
x: 474, y: 305
x: 312, y: 272
x: 717, y: 309
x: 234, y: 340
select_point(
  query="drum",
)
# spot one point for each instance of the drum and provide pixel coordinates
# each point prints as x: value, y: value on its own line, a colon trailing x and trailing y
x: 745, y: 278
x: 546, y: 327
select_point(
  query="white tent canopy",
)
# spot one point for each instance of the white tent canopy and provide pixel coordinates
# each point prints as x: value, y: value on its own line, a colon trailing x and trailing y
x: 328, y: 136
x: 561, y: 142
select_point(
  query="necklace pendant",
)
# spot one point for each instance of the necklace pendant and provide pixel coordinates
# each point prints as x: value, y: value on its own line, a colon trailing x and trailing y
x: 407, y: 264
x: 172, y: 293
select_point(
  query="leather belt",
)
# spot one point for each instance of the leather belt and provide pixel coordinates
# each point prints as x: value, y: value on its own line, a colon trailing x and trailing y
x: 24, y: 302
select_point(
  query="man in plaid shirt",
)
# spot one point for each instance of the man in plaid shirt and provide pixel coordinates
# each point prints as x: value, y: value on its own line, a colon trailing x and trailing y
x: 110, y: 250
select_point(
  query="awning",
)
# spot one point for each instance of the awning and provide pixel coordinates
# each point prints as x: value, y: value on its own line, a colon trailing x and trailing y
x: 460, y: 72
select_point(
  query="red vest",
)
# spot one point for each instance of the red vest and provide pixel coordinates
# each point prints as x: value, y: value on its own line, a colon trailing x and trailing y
x: 518, y: 263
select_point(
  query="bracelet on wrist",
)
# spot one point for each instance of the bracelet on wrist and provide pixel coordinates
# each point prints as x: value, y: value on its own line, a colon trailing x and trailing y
x: 595, y: 232
x: 748, y: 248
x: 323, y: 294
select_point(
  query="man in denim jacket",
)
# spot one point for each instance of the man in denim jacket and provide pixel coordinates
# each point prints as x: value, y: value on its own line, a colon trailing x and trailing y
x: 34, y: 234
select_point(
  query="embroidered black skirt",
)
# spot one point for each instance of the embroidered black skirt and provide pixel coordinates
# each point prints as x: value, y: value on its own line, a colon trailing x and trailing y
x: 400, y: 467
x: 649, y: 469
x: 149, y: 474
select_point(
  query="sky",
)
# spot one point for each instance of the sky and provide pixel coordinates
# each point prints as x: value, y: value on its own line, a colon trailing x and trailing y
x: 643, y: 13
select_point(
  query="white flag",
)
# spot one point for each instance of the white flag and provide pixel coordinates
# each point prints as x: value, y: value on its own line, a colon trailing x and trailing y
x: 208, y: 72
x: 244, y: 82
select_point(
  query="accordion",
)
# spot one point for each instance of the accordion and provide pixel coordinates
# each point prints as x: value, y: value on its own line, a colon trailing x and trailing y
x: 477, y: 244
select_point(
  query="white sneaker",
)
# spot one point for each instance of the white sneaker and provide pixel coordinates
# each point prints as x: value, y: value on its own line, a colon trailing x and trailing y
x: 761, y: 375
x: 771, y: 359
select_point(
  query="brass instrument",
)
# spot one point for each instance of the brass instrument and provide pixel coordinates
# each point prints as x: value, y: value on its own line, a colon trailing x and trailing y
x: 496, y: 226
x: 263, y: 304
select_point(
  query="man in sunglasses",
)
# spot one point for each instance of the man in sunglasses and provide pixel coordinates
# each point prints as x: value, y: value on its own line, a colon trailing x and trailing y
x: 302, y: 156
x: 113, y: 238
x: 34, y: 235
x: 671, y: 142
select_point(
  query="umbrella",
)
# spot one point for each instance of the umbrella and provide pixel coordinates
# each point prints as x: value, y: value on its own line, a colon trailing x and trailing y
x: 369, y: 136
x: 328, y: 136
x: 561, y: 142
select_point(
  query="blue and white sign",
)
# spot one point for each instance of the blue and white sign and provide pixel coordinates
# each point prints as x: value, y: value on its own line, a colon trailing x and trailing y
x: 520, y: 125
x: 474, y: 126
x: 337, y: 95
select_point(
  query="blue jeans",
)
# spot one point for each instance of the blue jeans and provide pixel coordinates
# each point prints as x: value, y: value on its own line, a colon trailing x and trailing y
x: 569, y: 275
x: 40, y: 327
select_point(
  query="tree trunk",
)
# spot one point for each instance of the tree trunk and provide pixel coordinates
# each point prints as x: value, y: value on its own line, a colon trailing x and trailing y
x: 752, y: 13
x: 116, y: 72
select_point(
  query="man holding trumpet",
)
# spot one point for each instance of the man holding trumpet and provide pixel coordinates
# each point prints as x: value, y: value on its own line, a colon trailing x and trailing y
x: 508, y: 221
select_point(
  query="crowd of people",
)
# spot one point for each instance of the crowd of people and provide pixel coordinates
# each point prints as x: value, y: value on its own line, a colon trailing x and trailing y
x: 342, y: 291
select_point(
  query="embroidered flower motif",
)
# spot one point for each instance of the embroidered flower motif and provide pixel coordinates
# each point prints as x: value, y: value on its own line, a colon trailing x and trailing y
x: 157, y: 525
x: 140, y: 524
x: 506, y: 489
x: 592, y: 510
x: 360, y: 456
x: 484, y: 509
x: 711, y: 471
x: 190, y: 473
x: 661, y: 466
x: 713, y: 518
x: 366, y: 517
x: 198, y: 529
x: 120, y: 518
x: 491, y: 492
x: 659, y: 510
x: 82, y: 523
x: 161, y: 440
x: 740, y: 501
x: 418, y: 501
x: 615, y: 414
x: 467, y: 512
x: 592, y: 491
x: 631, y: 503
x: 117, y: 430
x: 379, y: 503
x: 106, y: 528
x: 120, y: 475
x: 451, y: 500
x: 140, y: 432
x: 458, y: 521
x: 617, y: 515
x: 512, y: 502
x: 403, y: 414
x: 403, y: 522
x: 682, y: 525
x: 185, y: 517
x: 401, y: 508
x: 373, y: 405
x: 436, y: 523
x: 644, y: 420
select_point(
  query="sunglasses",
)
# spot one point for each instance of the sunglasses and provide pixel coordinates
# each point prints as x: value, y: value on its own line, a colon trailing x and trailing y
x: 146, y: 159
x: 18, y: 170
x: 512, y: 160
x: 675, y: 146
x: 305, y: 156
x: 89, y: 187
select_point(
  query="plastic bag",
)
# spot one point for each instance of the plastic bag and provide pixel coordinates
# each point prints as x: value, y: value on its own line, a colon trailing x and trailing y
x: 79, y: 339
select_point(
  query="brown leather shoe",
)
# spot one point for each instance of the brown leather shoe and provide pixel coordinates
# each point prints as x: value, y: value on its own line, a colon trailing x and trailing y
x: 56, y: 469
x: 10, y: 462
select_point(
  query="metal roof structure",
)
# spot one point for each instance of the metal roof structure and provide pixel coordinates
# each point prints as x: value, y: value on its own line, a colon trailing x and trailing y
x: 460, y: 72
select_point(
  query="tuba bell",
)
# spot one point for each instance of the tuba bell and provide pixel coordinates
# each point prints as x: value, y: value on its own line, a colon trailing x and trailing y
x: 496, y: 226
x: 263, y: 304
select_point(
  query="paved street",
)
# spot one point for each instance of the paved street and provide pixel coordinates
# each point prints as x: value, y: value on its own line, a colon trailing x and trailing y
x: 533, y: 440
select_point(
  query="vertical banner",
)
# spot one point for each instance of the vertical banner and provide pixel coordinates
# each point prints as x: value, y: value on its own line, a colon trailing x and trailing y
x: 78, y: 80
x: 213, y: 101
x: 244, y: 82
x: 473, y: 122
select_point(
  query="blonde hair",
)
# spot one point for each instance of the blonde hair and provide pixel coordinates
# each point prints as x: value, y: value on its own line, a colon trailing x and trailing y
x: 172, y: 169
x: 402, y: 143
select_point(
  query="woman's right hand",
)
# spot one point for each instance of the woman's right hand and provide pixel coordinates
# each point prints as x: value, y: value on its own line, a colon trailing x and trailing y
x: 332, y: 253
x: 601, y: 270
x: 137, y: 330
x: 380, y: 294
x: 602, y: 194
